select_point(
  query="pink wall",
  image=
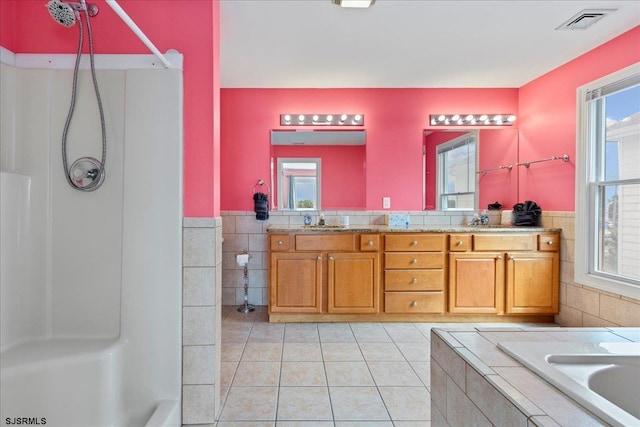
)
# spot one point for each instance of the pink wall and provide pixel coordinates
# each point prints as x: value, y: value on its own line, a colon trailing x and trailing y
x: 548, y: 120
x: 7, y: 24
x: 190, y: 27
x: 394, y: 119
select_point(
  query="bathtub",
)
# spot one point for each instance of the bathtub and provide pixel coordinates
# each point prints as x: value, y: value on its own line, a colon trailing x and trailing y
x: 602, y: 377
x: 73, y: 382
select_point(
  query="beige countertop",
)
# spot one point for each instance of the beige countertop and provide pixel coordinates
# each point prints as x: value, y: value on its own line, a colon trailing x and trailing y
x: 410, y: 229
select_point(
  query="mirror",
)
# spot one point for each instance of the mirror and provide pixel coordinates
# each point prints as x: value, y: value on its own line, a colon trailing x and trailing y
x: 341, y: 174
x: 496, y: 148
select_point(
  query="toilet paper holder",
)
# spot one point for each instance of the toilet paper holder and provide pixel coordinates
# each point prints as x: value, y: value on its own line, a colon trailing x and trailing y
x: 243, y: 261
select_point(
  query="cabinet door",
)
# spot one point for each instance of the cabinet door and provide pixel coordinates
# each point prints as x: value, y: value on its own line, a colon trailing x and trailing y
x: 353, y: 284
x: 476, y: 283
x: 295, y: 283
x: 532, y: 283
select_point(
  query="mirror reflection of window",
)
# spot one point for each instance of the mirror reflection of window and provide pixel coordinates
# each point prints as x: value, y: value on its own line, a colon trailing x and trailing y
x: 299, y: 183
x: 456, y: 170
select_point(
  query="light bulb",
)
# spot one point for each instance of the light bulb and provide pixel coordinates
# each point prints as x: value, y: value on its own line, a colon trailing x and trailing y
x: 469, y: 117
x: 301, y: 118
x: 315, y: 118
x: 497, y: 118
x: 441, y: 118
x: 460, y: 121
x: 483, y: 118
x: 329, y: 118
x: 511, y: 118
x: 287, y: 118
x: 455, y: 117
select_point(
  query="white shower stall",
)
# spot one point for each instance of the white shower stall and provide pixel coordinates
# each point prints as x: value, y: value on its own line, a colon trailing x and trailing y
x: 90, y: 284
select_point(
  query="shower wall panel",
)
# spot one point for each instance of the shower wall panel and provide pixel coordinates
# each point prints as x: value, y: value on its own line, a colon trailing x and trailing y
x: 87, y: 226
x: 24, y: 163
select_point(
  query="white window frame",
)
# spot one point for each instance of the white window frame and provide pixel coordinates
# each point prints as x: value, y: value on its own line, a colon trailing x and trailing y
x: 318, y: 167
x: 447, y: 146
x: 584, y: 212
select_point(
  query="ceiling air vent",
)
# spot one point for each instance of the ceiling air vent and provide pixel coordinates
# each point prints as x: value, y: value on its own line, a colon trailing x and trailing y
x: 585, y: 19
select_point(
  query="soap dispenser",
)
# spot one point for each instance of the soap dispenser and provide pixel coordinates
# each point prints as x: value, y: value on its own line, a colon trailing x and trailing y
x: 321, y: 220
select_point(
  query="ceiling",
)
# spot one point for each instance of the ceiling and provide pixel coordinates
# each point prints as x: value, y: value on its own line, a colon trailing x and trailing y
x: 406, y: 43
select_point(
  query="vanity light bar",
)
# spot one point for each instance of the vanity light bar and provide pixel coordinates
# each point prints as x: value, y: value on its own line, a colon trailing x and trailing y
x: 321, y: 119
x: 472, y: 119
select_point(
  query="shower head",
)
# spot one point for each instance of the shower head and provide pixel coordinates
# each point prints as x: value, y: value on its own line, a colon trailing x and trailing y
x: 62, y: 13
x: 66, y: 14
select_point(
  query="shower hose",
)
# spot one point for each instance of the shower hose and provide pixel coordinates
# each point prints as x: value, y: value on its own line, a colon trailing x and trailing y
x: 96, y: 182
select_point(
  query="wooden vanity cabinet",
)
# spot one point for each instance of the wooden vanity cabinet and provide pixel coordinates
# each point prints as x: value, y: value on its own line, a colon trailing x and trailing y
x: 336, y: 273
x: 476, y: 282
x: 296, y: 282
x: 414, y: 266
x: 353, y: 283
x: 504, y: 273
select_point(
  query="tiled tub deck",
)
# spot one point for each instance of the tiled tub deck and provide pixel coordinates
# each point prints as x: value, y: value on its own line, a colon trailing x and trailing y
x: 475, y: 383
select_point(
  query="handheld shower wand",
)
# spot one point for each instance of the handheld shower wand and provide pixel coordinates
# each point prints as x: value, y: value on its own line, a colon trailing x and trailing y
x: 86, y: 173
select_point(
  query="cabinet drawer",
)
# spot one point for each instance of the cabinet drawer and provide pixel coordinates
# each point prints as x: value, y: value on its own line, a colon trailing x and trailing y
x: 549, y: 242
x: 413, y: 260
x: 369, y: 242
x: 414, y: 242
x: 414, y: 302
x: 459, y: 242
x: 279, y: 242
x: 325, y: 242
x: 504, y: 242
x: 414, y: 280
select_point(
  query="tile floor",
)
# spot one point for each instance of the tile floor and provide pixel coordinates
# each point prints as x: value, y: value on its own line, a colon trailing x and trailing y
x: 326, y: 374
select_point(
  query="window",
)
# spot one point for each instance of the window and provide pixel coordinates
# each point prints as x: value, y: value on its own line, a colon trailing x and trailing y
x: 298, y: 184
x: 608, y: 184
x: 456, y: 170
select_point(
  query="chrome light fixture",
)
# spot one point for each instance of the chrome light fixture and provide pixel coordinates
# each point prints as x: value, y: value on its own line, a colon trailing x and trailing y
x: 362, y: 4
x: 321, y: 119
x: 471, y: 119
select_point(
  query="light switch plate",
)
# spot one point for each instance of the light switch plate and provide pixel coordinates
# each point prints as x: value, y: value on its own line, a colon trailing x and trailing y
x: 386, y: 203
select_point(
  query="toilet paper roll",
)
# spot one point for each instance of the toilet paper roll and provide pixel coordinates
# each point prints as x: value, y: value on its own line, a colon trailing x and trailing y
x: 242, y: 259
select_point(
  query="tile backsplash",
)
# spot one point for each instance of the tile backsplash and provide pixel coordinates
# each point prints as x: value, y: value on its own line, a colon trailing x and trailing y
x: 579, y: 305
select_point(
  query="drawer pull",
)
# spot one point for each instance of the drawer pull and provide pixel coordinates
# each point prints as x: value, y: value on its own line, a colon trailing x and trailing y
x: 280, y: 242
x: 414, y: 304
x: 549, y: 242
x: 512, y: 258
x: 415, y: 280
x: 460, y: 243
x: 370, y: 243
x: 331, y: 258
x: 319, y: 258
x: 414, y: 261
x: 415, y: 243
x: 499, y: 256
